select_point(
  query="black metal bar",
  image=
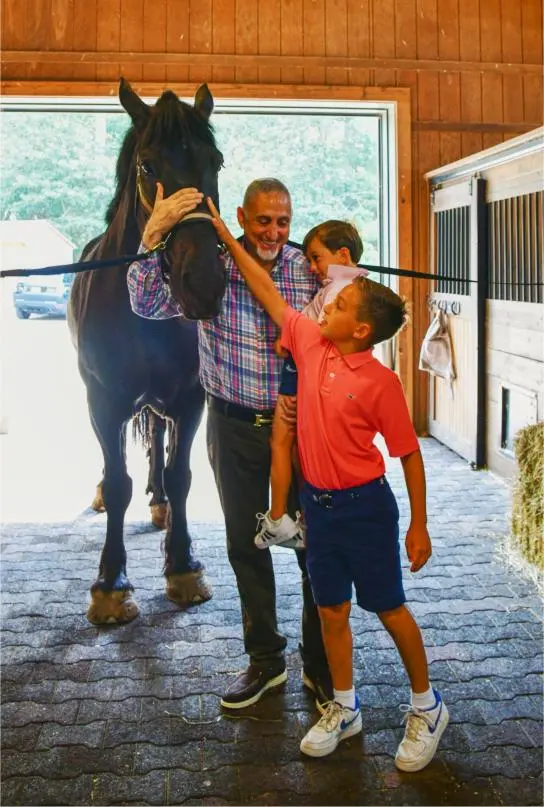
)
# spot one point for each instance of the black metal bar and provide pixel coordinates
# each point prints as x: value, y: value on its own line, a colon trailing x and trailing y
x: 466, y: 285
x: 527, y: 242
x: 438, y: 248
x: 451, y: 240
x: 520, y: 247
x: 491, y: 235
x: 456, y: 249
x: 539, y: 243
x: 508, y: 247
x: 479, y: 234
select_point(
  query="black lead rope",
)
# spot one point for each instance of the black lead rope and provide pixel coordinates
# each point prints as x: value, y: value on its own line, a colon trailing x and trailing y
x: 388, y: 270
x: 89, y: 266
x: 74, y: 268
x: 86, y: 266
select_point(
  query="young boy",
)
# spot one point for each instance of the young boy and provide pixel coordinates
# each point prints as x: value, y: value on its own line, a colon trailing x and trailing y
x: 345, y: 397
x: 333, y: 249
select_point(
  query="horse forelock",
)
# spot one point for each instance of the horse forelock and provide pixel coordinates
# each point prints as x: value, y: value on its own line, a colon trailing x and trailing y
x: 173, y: 122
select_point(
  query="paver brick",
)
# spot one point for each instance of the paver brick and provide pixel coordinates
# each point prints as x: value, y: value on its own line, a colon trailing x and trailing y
x: 68, y: 762
x: 90, y: 734
x: 149, y: 788
x: 35, y: 790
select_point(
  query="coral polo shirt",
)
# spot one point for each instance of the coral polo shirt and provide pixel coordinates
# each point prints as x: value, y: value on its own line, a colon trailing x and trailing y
x: 343, y: 402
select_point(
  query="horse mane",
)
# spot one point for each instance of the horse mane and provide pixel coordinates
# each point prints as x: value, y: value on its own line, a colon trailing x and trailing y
x: 172, y: 122
x: 122, y: 172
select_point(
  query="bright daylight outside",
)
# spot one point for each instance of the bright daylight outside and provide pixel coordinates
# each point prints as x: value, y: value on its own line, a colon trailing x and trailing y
x: 57, y: 179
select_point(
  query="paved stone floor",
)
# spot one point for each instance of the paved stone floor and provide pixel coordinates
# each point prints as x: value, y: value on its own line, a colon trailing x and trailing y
x: 131, y: 715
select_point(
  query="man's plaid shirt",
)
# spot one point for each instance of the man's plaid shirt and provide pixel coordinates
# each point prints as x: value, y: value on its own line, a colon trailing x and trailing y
x: 237, y: 358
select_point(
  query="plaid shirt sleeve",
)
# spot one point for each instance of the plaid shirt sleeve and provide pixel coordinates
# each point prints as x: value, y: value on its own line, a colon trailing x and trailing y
x: 150, y: 296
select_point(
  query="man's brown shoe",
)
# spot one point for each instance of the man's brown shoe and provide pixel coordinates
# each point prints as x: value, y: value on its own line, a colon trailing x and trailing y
x: 250, y: 684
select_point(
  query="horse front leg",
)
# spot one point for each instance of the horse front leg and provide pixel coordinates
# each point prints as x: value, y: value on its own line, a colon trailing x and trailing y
x: 155, y: 485
x: 111, y: 593
x: 97, y: 503
x: 186, y: 583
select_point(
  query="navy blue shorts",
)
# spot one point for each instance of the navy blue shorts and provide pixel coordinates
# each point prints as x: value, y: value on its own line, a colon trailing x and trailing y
x: 289, y: 377
x: 353, y: 540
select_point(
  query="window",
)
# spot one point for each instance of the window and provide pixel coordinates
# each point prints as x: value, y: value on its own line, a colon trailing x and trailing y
x: 453, y: 250
x: 518, y: 409
x: 338, y: 160
x: 515, y: 248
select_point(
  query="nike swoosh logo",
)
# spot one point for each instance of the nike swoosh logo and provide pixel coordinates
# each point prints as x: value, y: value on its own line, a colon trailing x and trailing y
x: 344, y: 725
x: 433, y: 728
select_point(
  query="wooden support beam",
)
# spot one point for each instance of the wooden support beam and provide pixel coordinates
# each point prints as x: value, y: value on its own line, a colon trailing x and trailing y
x: 210, y: 60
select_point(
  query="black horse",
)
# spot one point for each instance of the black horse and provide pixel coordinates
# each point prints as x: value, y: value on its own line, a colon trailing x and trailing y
x: 129, y: 363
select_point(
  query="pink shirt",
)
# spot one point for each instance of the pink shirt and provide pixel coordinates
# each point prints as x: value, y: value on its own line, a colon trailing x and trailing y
x: 338, y: 277
x: 343, y: 402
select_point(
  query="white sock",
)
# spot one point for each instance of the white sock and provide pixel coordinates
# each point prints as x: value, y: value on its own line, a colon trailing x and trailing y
x: 345, y: 697
x: 275, y: 521
x: 424, y: 700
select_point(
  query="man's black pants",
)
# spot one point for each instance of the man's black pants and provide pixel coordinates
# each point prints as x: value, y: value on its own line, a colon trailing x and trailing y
x: 240, y: 455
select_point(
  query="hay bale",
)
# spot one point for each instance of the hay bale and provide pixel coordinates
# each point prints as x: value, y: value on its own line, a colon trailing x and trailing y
x: 528, y: 495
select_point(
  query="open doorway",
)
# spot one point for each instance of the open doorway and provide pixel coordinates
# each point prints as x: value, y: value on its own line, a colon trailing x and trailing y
x: 338, y: 159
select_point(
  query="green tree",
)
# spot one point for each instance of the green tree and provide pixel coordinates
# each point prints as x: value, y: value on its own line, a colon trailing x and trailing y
x: 60, y: 167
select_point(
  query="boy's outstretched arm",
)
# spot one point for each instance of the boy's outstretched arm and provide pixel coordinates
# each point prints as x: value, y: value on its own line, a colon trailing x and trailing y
x: 418, y: 543
x: 258, y: 280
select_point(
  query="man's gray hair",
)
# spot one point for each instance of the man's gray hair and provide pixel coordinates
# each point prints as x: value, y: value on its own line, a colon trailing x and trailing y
x: 265, y: 185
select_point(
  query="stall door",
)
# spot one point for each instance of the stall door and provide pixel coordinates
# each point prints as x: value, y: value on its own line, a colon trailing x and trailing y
x: 458, y: 251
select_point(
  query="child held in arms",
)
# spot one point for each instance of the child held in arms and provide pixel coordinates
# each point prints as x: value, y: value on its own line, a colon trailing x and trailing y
x: 332, y: 249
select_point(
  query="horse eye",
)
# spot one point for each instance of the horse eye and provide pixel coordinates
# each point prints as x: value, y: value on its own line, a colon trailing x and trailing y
x: 146, y: 169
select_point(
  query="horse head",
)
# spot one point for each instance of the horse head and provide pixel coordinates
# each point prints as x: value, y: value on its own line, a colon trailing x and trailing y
x: 174, y: 144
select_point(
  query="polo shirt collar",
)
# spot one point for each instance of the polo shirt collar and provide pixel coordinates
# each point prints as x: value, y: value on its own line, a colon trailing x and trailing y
x: 355, y: 360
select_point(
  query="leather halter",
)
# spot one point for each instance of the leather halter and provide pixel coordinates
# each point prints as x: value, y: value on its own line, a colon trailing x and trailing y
x: 148, y: 207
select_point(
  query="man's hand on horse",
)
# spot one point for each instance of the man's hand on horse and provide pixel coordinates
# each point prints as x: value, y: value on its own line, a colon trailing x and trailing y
x: 167, y: 212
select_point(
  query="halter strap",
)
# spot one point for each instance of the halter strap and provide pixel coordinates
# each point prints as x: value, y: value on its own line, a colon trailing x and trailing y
x: 188, y: 216
x: 146, y: 204
x: 148, y: 207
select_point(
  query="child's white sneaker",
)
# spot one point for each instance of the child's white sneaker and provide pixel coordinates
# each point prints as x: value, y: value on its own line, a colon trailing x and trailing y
x: 424, y: 728
x: 337, y: 724
x: 284, y: 532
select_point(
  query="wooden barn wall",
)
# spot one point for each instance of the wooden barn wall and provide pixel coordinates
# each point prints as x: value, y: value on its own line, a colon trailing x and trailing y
x: 474, y: 67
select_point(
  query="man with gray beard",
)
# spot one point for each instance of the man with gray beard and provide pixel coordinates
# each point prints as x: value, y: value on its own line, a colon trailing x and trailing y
x: 240, y: 371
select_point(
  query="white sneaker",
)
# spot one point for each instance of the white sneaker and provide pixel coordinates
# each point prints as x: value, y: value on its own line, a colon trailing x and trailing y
x: 338, y: 723
x: 424, y: 728
x: 285, y: 532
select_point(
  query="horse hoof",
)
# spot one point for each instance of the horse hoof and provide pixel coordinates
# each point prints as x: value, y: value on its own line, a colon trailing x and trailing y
x: 190, y: 588
x: 159, y: 514
x: 112, y: 607
x: 98, y: 502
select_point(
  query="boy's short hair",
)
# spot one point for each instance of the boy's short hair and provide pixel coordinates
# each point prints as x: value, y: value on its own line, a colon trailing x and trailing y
x: 381, y: 308
x: 335, y: 234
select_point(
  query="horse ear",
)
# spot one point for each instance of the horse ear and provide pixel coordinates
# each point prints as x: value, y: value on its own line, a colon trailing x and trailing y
x: 133, y: 104
x: 204, y: 101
